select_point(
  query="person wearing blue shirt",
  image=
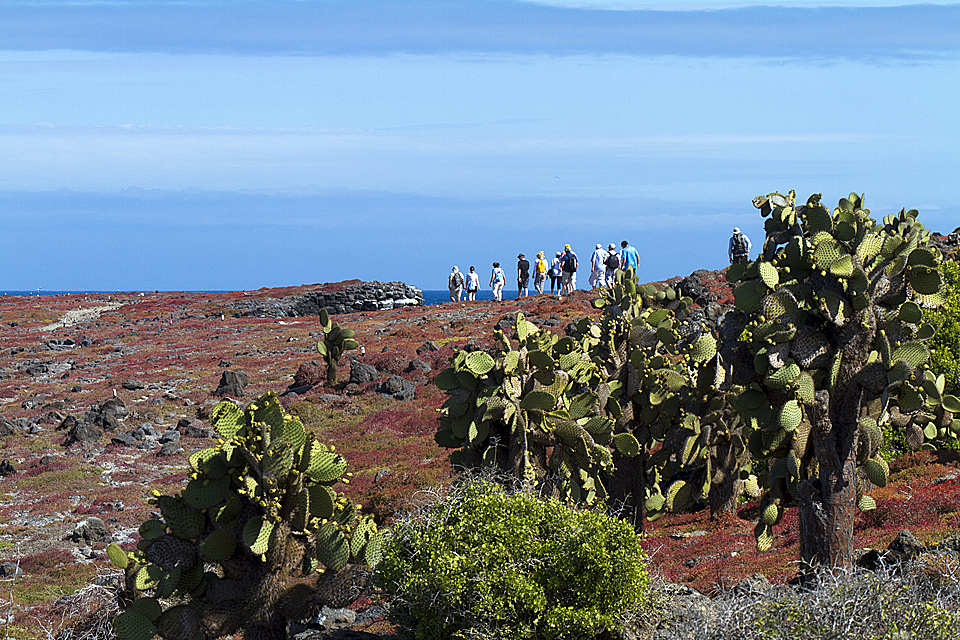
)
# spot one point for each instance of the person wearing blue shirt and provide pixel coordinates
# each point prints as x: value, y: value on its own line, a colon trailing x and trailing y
x: 629, y: 256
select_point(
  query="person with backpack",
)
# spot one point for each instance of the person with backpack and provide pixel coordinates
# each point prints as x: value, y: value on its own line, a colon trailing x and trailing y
x: 629, y: 257
x: 612, y: 263
x: 738, y: 250
x: 523, y: 275
x: 455, y: 283
x: 598, y: 267
x: 540, y: 271
x: 568, y: 266
x: 497, y: 279
x: 473, y: 284
x: 556, y: 273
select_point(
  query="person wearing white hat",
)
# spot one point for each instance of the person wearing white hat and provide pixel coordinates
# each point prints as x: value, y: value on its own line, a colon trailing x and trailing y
x: 455, y: 284
x: 598, y: 267
x: 738, y: 249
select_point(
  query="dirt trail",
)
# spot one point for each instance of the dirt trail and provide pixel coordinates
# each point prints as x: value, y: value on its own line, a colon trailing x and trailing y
x: 78, y: 316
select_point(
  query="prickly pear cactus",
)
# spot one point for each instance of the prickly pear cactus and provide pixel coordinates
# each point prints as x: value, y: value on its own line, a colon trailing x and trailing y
x: 611, y: 410
x: 249, y: 538
x: 336, y: 340
x: 507, y: 409
x: 834, y: 346
x: 669, y: 395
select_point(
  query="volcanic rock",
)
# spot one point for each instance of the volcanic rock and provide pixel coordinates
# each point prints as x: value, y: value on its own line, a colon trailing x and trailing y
x: 361, y: 372
x: 89, y: 530
x: 232, y: 383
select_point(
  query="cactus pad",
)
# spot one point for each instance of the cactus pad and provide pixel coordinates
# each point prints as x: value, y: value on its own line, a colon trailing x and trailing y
x: 118, y: 557
x: 877, y: 471
x: 170, y: 552
x: 228, y: 420
x: 184, y: 521
x: 769, y: 275
x: 790, y: 415
x: 204, y: 493
x: 780, y: 378
x: 479, y: 363
x: 704, y: 348
x: 925, y: 280
x: 181, y: 622
x: 747, y: 297
x: 538, y: 401
x: 133, y: 625
x: 626, y: 444
x: 333, y: 549
x: 770, y: 514
x: 218, y: 546
x: 152, y: 528
x: 323, y: 465
x: 912, y: 353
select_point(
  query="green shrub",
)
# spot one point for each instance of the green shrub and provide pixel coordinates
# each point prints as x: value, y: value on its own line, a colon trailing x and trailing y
x: 485, y: 563
x: 945, y: 344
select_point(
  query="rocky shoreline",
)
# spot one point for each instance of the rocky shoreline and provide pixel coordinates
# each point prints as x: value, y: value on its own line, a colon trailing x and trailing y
x: 366, y: 296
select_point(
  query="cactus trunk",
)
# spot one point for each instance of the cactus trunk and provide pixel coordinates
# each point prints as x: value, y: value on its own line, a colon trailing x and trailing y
x: 827, y: 505
x: 731, y: 456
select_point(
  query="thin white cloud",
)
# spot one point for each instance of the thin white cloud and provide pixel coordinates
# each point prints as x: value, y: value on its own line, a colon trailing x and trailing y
x: 379, y: 27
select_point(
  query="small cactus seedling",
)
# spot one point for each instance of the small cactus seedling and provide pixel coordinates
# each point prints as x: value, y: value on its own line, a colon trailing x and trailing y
x: 335, y: 341
x: 256, y: 538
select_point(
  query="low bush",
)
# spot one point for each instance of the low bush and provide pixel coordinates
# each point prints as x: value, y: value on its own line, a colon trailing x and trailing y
x: 892, y: 604
x: 482, y: 562
x: 945, y: 344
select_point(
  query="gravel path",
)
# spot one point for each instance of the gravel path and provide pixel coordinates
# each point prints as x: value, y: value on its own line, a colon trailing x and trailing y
x: 78, y: 316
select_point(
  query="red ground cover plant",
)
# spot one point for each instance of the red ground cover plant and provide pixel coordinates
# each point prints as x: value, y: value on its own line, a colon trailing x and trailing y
x: 178, y: 346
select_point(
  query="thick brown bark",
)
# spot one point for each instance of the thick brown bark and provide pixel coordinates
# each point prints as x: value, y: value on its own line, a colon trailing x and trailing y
x: 727, y: 487
x: 828, y: 505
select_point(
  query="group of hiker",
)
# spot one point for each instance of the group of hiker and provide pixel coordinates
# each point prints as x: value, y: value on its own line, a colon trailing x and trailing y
x: 561, y: 270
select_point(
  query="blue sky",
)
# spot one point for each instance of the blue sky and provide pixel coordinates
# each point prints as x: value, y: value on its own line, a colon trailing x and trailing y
x: 237, y: 145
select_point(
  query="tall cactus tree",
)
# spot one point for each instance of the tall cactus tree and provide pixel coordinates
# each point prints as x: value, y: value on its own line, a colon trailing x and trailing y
x: 258, y: 537
x: 832, y: 349
x: 335, y: 341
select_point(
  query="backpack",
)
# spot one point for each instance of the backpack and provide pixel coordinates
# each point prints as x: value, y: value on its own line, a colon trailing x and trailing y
x: 739, y: 244
x: 541, y: 266
x: 612, y: 261
x: 458, y: 280
x: 570, y: 263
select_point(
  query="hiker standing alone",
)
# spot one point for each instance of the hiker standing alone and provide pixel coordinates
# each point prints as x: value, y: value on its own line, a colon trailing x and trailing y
x: 473, y: 284
x: 497, y: 279
x: 523, y: 275
x: 455, y: 284
x: 540, y: 271
x: 629, y: 257
x: 555, y: 273
x: 612, y: 263
x: 568, y: 266
x: 598, y: 267
x: 738, y: 250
